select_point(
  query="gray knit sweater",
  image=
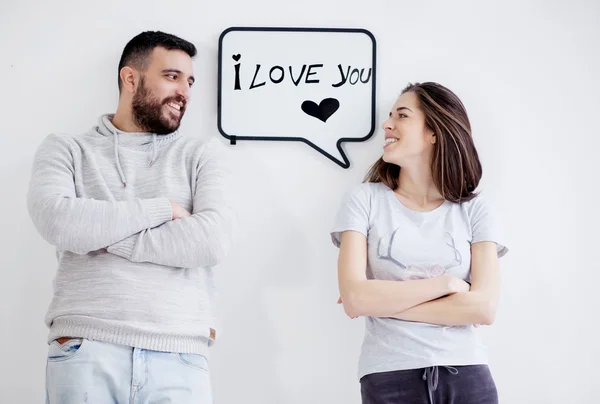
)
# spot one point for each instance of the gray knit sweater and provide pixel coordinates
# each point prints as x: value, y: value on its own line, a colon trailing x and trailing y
x: 127, y: 273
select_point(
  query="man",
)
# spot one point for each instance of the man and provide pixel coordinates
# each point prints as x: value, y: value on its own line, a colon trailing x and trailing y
x: 139, y: 214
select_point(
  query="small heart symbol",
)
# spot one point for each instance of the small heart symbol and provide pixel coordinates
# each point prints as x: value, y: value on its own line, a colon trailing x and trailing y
x: 236, y: 57
x: 323, y: 111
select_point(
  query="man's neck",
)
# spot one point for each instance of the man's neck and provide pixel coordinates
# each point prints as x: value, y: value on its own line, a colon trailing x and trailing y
x: 124, y: 122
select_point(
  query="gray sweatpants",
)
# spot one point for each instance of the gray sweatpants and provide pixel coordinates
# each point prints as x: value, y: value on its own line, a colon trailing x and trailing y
x: 435, y: 385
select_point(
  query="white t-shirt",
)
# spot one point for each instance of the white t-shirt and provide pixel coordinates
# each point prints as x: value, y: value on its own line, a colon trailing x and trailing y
x: 404, y: 245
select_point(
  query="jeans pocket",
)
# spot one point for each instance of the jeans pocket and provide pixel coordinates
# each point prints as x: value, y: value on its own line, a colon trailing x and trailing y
x: 61, y: 352
x: 195, y: 361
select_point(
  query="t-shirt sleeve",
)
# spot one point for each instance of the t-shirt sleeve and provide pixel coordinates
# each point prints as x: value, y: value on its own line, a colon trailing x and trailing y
x: 486, y: 226
x: 353, y: 214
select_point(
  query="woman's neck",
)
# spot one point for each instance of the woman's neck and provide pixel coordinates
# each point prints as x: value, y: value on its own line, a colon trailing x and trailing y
x: 416, y: 184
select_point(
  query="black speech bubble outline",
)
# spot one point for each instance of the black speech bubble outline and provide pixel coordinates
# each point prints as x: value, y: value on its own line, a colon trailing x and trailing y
x: 234, y: 138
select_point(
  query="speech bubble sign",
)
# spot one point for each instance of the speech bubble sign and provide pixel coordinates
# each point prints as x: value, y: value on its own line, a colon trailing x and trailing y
x: 309, y: 85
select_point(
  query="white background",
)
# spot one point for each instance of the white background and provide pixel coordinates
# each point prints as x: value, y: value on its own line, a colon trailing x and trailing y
x: 528, y: 74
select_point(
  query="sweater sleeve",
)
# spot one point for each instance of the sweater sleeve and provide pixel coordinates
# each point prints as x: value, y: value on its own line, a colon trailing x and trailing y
x: 200, y: 240
x: 82, y: 225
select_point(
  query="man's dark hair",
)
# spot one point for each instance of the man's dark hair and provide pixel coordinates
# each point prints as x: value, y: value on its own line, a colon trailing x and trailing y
x: 138, y: 49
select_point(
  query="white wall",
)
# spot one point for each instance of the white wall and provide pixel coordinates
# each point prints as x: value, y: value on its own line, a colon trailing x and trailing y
x: 528, y: 74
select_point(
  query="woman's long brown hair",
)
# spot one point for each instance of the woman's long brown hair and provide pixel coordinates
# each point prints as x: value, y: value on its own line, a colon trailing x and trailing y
x: 455, y: 164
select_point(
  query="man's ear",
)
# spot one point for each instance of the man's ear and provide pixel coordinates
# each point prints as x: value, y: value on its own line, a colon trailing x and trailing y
x: 128, y: 79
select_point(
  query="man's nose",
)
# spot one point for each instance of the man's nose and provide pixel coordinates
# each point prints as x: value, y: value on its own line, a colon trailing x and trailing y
x: 184, y: 91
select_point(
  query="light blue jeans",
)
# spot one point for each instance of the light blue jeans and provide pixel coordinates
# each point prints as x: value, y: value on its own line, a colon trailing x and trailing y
x: 91, y: 372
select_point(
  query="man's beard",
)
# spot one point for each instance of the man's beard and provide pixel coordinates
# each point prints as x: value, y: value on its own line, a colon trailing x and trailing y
x: 148, y: 112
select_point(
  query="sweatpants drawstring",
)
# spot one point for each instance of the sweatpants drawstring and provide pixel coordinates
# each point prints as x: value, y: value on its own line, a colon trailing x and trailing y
x: 431, y: 374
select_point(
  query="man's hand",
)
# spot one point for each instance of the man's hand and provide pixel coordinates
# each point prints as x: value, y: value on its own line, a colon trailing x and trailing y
x: 178, y: 211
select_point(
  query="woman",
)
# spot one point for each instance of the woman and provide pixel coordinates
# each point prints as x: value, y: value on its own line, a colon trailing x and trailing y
x: 419, y: 256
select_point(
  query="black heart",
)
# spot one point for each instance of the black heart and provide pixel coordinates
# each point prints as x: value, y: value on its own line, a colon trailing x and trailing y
x: 323, y: 111
x: 236, y: 57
